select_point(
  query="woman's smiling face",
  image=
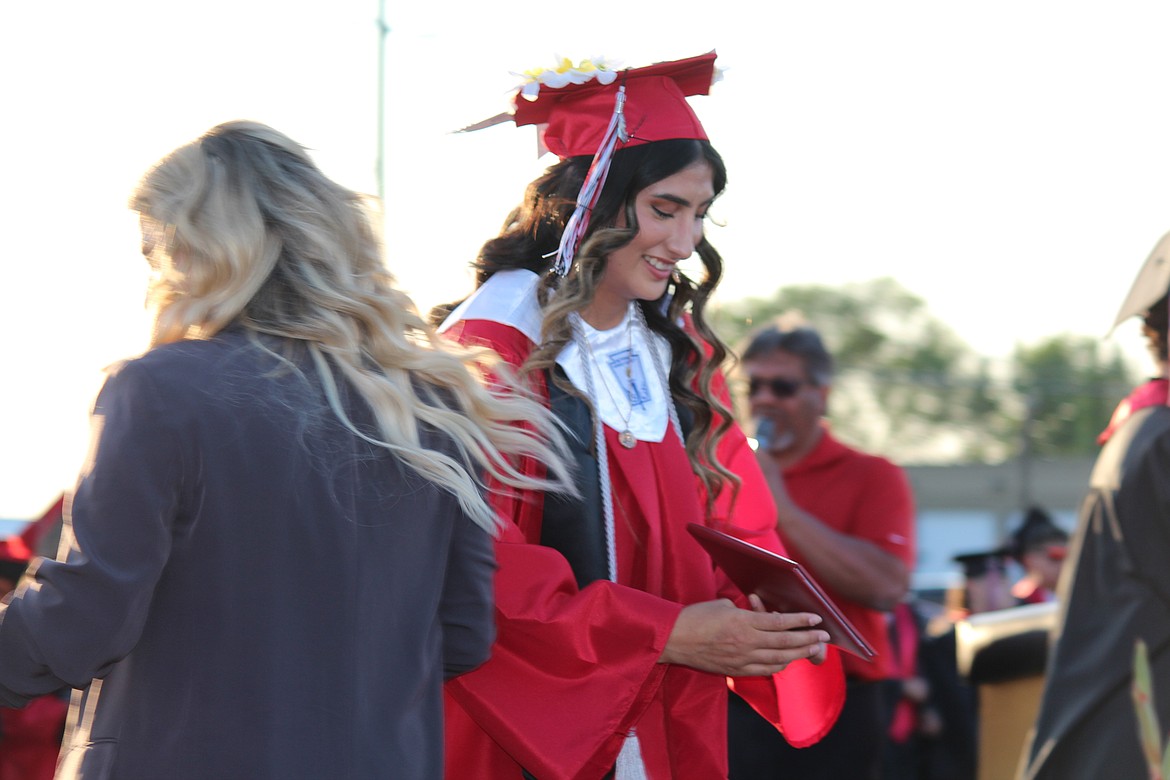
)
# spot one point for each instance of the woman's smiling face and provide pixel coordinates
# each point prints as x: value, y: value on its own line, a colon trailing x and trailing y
x: 670, y: 225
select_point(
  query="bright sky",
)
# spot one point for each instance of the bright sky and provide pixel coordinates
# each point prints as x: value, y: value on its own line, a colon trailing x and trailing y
x: 1006, y: 161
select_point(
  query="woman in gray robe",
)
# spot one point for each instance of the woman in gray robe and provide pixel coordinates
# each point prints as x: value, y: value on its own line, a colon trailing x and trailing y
x: 279, y: 547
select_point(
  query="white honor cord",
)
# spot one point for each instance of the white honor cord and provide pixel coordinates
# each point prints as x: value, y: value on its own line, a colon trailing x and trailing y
x: 630, y: 765
x: 599, y: 441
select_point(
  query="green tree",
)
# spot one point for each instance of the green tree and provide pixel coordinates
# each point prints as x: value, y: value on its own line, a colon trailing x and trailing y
x: 1070, y: 386
x: 909, y: 387
x: 906, y: 384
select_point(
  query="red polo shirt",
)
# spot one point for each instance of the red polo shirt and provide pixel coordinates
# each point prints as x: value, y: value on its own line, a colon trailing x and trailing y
x: 868, y: 497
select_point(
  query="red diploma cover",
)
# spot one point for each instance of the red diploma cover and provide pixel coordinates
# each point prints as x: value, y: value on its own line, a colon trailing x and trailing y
x: 782, y: 584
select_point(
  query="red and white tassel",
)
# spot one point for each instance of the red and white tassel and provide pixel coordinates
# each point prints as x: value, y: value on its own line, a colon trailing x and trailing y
x: 578, y: 223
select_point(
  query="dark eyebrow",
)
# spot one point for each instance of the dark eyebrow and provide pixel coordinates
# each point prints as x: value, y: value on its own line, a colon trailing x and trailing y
x: 681, y: 201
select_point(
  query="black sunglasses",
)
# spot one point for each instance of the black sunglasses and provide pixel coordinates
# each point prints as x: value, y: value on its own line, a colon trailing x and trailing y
x: 780, y: 387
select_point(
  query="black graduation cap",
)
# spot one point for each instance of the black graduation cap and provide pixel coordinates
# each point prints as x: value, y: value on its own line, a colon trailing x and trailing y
x: 976, y: 564
x: 1036, y: 531
x: 1150, y: 285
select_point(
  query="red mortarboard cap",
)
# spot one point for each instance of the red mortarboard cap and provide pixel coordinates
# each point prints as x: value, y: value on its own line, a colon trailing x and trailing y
x: 1150, y: 285
x: 577, y: 115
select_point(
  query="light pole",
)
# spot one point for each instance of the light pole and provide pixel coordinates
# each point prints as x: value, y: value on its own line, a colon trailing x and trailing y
x: 380, y: 163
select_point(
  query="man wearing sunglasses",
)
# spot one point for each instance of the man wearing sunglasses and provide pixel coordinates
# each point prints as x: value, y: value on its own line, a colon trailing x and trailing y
x: 847, y: 516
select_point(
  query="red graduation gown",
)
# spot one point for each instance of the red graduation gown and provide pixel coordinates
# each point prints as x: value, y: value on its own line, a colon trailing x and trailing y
x: 573, y: 671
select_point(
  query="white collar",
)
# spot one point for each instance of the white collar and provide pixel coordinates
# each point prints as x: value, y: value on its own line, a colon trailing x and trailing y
x: 628, y: 386
x: 509, y: 298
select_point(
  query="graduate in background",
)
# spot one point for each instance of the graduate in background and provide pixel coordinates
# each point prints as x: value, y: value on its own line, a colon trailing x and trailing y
x: 30, y: 736
x: 1115, y: 587
x: 1040, y: 547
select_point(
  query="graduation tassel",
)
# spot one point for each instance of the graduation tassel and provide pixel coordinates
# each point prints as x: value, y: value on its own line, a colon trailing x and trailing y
x: 578, y: 223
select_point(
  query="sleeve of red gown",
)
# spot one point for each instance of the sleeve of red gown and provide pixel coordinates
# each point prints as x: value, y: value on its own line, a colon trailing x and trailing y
x: 804, y: 700
x: 572, y: 668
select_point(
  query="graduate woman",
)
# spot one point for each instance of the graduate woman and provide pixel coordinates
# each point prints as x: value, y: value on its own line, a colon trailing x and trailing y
x: 614, y: 645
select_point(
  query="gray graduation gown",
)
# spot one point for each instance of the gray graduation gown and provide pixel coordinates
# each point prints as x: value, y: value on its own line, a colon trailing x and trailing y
x: 251, y: 590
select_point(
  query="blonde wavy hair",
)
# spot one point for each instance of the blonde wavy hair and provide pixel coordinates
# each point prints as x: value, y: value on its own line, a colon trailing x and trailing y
x: 241, y: 227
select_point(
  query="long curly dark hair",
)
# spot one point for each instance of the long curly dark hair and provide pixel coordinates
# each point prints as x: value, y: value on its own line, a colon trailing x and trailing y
x: 532, y: 234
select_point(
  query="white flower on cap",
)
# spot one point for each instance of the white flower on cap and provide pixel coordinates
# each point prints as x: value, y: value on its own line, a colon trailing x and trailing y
x: 566, y: 73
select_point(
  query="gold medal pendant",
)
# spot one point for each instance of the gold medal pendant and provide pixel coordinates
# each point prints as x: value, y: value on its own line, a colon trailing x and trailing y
x: 627, y: 439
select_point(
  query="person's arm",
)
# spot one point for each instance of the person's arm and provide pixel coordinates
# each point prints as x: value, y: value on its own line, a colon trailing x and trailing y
x: 70, y: 621
x: 857, y: 569
x: 718, y: 637
x: 466, y: 609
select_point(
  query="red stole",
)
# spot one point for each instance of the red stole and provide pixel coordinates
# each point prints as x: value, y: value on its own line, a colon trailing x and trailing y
x: 1152, y: 393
